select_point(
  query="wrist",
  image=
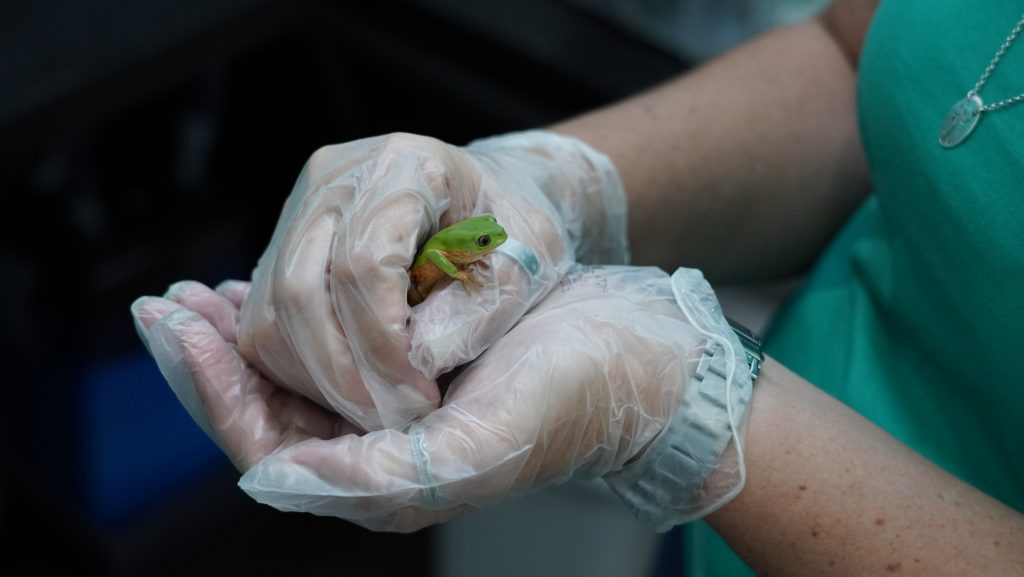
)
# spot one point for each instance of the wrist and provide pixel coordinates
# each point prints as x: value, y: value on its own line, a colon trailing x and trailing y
x: 694, y: 467
x: 697, y: 465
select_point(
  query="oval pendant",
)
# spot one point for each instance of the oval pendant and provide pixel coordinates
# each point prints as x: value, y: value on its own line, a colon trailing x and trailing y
x: 960, y: 121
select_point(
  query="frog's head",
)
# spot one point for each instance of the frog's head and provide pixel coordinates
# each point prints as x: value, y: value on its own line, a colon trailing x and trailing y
x: 485, y: 233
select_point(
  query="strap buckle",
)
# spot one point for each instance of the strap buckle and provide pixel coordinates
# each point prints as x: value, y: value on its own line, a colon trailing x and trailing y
x: 752, y: 345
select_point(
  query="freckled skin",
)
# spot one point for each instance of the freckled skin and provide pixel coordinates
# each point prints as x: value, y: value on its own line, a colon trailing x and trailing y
x: 450, y: 252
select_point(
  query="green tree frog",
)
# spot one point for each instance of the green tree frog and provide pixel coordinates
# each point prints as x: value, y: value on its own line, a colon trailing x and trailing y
x: 451, y: 251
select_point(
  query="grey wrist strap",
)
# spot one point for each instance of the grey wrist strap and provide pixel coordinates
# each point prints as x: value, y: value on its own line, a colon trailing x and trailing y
x: 669, y: 484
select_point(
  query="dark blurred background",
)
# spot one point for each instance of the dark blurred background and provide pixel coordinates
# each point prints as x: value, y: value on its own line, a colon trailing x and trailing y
x: 147, y: 142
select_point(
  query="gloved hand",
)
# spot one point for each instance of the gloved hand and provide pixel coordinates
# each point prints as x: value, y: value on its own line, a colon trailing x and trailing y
x: 598, y: 380
x: 327, y: 316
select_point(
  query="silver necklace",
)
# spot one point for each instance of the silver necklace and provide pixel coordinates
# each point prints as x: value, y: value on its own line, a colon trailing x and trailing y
x: 965, y: 114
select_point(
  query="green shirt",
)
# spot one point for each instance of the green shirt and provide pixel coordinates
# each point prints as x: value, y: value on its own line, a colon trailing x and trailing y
x: 914, y: 315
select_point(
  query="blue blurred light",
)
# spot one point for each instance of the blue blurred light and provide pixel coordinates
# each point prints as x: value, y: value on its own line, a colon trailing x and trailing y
x: 140, y: 446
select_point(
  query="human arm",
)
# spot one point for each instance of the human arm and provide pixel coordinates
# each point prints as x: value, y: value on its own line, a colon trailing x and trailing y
x: 586, y: 388
x: 744, y: 167
x: 829, y: 493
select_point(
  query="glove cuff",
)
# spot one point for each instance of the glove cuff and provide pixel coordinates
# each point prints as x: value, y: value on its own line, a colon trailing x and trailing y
x: 580, y: 181
x: 696, y: 465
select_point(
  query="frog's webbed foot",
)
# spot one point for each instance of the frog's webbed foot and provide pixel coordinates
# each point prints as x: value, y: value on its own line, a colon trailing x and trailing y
x: 467, y: 278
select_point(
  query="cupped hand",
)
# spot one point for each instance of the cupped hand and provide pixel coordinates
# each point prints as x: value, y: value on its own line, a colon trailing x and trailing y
x: 582, y: 386
x: 327, y: 315
x: 192, y: 335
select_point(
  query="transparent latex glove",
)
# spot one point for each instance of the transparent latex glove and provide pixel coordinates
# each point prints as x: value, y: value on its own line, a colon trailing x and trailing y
x: 590, y: 383
x: 327, y: 316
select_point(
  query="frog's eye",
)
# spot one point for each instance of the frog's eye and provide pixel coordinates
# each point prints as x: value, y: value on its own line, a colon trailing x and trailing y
x: 483, y: 240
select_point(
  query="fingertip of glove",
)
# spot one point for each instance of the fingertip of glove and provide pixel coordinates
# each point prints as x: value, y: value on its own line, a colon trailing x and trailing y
x: 260, y: 475
x: 181, y: 333
x: 154, y: 314
x: 183, y: 322
x: 234, y: 290
x: 142, y: 319
x: 139, y: 306
x: 230, y: 285
x: 178, y: 289
x: 147, y: 310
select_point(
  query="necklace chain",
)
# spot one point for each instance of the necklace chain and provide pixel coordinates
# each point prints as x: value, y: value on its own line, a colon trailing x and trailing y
x: 992, y: 66
x: 965, y: 113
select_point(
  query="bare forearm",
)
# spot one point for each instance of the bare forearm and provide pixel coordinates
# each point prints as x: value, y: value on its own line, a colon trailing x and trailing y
x: 829, y: 493
x: 746, y: 164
